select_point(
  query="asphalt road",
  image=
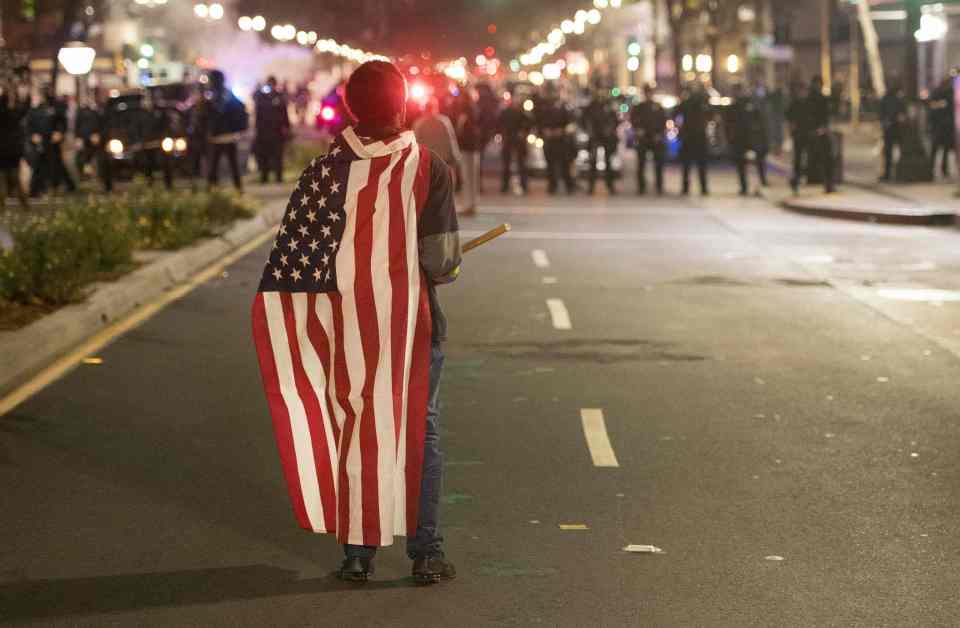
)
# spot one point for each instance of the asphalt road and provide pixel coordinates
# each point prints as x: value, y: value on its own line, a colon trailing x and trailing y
x: 762, y: 395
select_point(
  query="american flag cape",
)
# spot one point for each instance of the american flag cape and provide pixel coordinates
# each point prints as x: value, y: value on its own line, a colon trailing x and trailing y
x: 342, y: 329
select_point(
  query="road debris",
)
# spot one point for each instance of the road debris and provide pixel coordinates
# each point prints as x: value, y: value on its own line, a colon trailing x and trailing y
x: 574, y: 526
x: 774, y: 558
x: 883, y: 380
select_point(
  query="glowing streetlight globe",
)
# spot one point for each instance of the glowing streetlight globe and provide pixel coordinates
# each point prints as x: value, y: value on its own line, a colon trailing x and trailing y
x: 77, y: 58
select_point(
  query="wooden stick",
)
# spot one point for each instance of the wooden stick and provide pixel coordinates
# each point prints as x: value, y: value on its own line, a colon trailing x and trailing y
x: 490, y: 235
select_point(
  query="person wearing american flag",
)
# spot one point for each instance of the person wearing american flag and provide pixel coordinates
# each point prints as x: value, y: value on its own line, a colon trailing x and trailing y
x: 348, y: 332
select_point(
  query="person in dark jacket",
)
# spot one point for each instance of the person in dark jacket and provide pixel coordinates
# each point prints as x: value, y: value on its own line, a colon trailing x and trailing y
x: 600, y: 122
x: 153, y: 129
x: 13, y: 110
x: 554, y: 120
x: 272, y: 130
x: 893, y: 114
x: 225, y: 122
x: 649, y: 121
x: 86, y: 131
x: 821, y: 143
x: 515, y: 126
x: 798, y: 119
x: 746, y: 127
x: 47, y: 128
x: 470, y: 140
x: 693, y: 112
x: 943, y: 131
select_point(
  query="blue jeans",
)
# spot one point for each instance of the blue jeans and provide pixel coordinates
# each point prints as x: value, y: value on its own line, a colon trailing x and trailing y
x: 427, y: 540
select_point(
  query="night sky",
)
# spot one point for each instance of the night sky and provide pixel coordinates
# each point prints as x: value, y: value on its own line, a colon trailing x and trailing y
x: 445, y: 28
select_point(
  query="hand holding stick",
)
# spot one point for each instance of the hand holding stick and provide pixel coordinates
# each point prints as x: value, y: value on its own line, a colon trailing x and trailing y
x: 483, y: 239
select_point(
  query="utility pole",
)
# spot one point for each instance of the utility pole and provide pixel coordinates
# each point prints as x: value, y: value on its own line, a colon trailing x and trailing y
x: 825, y: 65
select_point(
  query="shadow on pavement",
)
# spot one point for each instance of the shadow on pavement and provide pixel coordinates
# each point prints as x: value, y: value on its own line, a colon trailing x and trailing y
x: 37, y: 599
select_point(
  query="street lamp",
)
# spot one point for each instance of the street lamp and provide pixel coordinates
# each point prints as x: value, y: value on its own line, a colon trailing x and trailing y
x: 77, y: 58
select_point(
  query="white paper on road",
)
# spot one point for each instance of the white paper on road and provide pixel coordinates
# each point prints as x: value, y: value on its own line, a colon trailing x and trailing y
x: 540, y: 259
x: 643, y: 549
x: 559, y: 314
x: 598, y: 442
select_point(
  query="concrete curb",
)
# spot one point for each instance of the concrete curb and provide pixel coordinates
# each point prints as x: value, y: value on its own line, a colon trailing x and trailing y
x: 28, y: 350
x: 907, y: 216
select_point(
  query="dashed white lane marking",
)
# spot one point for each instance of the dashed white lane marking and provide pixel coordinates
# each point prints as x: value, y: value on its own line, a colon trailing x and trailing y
x: 540, y: 258
x: 595, y: 431
x: 559, y: 314
x: 549, y: 281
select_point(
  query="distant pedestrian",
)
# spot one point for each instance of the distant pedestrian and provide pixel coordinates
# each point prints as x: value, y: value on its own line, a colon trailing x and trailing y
x: 471, y: 143
x: 272, y: 130
x: 693, y: 114
x: 942, y: 122
x: 820, y: 138
x: 797, y: 116
x: 555, y: 122
x: 153, y: 128
x: 893, y: 115
x: 649, y: 121
x: 515, y: 126
x: 600, y: 121
x: 435, y: 131
x: 226, y: 121
x: 13, y: 110
x: 86, y: 131
x: 747, y: 133
x: 47, y: 129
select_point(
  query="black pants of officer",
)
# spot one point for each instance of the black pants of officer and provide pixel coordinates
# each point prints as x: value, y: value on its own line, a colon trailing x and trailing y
x: 821, y: 157
x: 50, y: 171
x: 105, y: 170
x: 86, y: 154
x: 557, y: 152
x: 891, y: 138
x: 941, y: 142
x: 514, y: 152
x: 801, y: 154
x: 10, y: 178
x: 228, y: 150
x: 658, y: 150
x: 740, y: 161
x: 270, y: 160
x: 694, y: 152
x: 609, y: 147
x: 153, y: 159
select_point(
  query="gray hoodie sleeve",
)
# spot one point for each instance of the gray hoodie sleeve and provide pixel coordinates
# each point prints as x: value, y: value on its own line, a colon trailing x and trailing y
x: 439, y: 232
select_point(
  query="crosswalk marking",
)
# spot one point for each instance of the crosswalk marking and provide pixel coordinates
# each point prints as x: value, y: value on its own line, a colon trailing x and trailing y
x: 598, y: 442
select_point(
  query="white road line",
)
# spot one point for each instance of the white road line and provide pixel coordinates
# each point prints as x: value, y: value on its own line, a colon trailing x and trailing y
x: 540, y: 258
x: 559, y: 314
x: 549, y: 281
x: 598, y: 442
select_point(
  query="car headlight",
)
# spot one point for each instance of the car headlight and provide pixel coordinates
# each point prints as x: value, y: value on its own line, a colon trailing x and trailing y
x: 180, y: 145
x: 115, y: 147
x: 167, y: 144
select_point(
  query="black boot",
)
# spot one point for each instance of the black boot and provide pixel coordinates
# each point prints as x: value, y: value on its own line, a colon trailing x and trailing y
x: 356, y: 569
x: 433, y: 569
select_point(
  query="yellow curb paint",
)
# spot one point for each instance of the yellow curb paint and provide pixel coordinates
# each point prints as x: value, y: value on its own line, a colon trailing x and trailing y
x: 104, y: 337
x: 574, y: 526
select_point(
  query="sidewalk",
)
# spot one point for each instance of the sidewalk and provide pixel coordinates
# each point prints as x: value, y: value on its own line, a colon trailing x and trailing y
x: 30, y: 349
x: 862, y: 197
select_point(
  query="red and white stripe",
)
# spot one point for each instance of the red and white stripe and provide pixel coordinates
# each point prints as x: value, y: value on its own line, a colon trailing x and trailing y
x: 347, y: 373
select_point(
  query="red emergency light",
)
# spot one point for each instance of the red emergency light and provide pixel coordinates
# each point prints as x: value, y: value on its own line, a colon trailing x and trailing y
x: 328, y: 113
